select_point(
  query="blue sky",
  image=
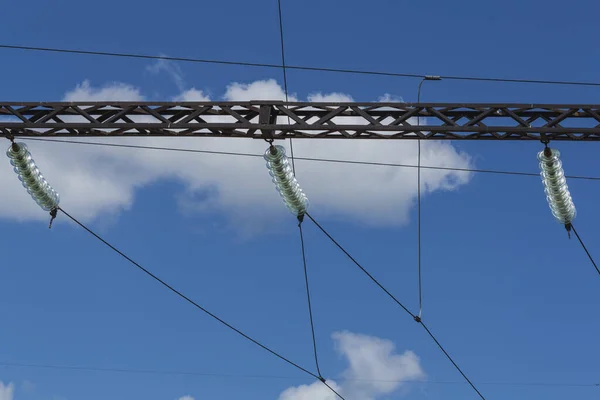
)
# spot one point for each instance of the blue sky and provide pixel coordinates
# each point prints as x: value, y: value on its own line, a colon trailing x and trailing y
x: 511, y: 298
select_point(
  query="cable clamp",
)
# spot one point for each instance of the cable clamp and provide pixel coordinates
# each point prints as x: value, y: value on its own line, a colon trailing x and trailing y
x: 568, y: 227
x: 322, y: 379
x: 53, y: 214
x: 417, y: 319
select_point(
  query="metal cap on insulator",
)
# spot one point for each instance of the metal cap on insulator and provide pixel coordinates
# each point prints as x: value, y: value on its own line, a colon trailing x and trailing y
x: 547, y: 151
x: 15, y: 147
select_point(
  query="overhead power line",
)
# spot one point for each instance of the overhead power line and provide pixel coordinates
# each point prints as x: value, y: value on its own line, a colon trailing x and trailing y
x: 296, y: 67
x: 192, y: 302
x: 310, y: 313
x: 282, y: 377
x: 285, y: 81
x: 144, y: 371
x: 328, y: 160
x: 419, y: 274
x: 585, y: 249
x: 420, y: 321
x: 415, y: 317
x: 300, y: 218
x: 339, y: 246
x: 184, y: 297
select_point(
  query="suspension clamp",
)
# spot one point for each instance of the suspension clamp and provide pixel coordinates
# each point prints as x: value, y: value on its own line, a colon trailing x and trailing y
x: 53, y: 214
x: 569, y: 227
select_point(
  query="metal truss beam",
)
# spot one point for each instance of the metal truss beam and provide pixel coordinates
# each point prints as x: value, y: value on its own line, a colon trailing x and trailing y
x: 269, y: 119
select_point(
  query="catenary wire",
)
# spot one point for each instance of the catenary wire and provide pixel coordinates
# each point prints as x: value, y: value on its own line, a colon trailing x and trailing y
x: 310, y: 313
x: 332, y: 389
x: 171, y: 288
x: 309, y: 302
x: 144, y: 371
x: 419, y: 320
x: 420, y: 283
x: 295, y: 67
x: 585, y: 249
x: 420, y: 276
x: 285, y: 81
x: 339, y: 246
x: 450, y: 358
x: 178, y: 293
x: 415, y: 317
x: 328, y: 160
x: 224, y: 375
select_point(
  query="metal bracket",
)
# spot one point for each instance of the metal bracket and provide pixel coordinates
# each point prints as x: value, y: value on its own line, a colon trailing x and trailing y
x: 267, y: 116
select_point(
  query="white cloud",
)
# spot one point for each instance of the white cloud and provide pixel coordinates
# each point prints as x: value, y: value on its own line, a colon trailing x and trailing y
x: 314, y: 391
x: 258, y: 90
x: 6, y: 391
x: 186, y: 398
x: 390, y: 98
x: 98, y: 181
x: 374, y: 370
x: 330, y: 97
x: 111, y: 91
x: 192, y: 94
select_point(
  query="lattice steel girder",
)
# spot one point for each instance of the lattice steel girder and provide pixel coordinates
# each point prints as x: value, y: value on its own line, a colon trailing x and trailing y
x: 266, y: 119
